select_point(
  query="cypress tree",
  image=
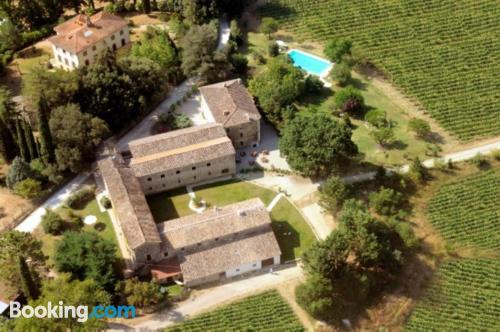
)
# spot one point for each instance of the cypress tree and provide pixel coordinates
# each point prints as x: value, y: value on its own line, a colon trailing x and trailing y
x: 46, y: 145
x: 21, y: 141
x: 30, y: 140
x: 28, y: 285
x: 8, y: 146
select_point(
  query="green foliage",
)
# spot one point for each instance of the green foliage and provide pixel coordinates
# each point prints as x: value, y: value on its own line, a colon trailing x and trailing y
x: 176, y: 121
x: 479, y: 160
x: 8, y: 146
x: 341, y: 73
x: 86, y: 256
x: 349, y: 100
x: 146, y: 73
x: 277, y: 86
x: 420, y: 127
x: 76, y: 136
x: 70, y: 292
x: 239, y: 62
x: 335, y: 49
x: 46, y: 145
x: 328, y: 258
x: 383, y: 136
x: 30, y: 140
x: 236, y: 33
x: 105, y: 202
x: 81, y: 197
x: 21, y: 140
x: 268, y: 26
x: 142, y: 294
x: 28, y: 285
x: 333, y: 193
x: 19, y: 170
x: 52, y: 223
x: 28, y: 188
x: 273, y: 49
x: 303, y: 136
x: 418, y: 171
x: 313, y: 85
x: 266, y: 311
x: 444, y: 88
x: 198, y: 45
x: 386, y: 201
x: 465, y: 212
x: 315, y: 296
x: 376, y: 117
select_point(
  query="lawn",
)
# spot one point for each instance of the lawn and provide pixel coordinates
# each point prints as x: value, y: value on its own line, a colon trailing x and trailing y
x: 264, y: 312
x: 292, y: 231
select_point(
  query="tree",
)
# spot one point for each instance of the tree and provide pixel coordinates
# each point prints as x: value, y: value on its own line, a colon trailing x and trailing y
x: 14, y: 244
x: 236, y: 33
x: 8, y: 146
x: 52, y: 223
x: 28, y: 284
x: 386, y: 201
x: 157, y: 46
x: 239, y: 62
x: 145, y: 72
x: 335, y: 49
x: 273, y: 49
x: 327, y: 258
x: 28, y: 188
x: 21, y: 140
x: 420, y: 127
x: 30, y: 140
x: 277, y: 86
x: 46, y: 145
x: 333, y: 194
x: 146, y: 6
x: 71, y: 293
x: 76, y: 136
x: 418, y: 171
x: 312, y: 84
x: 383, y: 136
x: 19, y: 170
x: 349, y: 100
x: 57, y: 87
x: 142, y: 294
x: 199, y: 45
x: 316, y: 296
x: 377, y: 118
x: 268, y: 26
x: 341, y: 73
x: 86, y: 256
x: 316, y: 144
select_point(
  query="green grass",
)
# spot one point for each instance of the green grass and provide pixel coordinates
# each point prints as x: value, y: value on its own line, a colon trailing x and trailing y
x: 286, y: 218
x: 464, y: 296
x: 264, y: 312
x: 439, y: 52
x: 467, y: 212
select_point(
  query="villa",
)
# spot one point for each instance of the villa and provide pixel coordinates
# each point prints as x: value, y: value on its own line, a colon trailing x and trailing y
x: 79, y: 40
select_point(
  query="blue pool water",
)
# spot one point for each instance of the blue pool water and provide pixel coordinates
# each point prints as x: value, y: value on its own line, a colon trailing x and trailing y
x: 309, y: 62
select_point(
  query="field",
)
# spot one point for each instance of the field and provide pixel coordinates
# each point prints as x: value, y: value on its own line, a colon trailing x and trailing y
x: 292, y: 231
x: 466, y: 212
x: 463, y: 297
x: 440, y: 53
x: 264, y: 312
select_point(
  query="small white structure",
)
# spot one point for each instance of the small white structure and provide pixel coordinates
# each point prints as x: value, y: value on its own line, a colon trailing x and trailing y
x: 90, y: 220
x: 282, y: 45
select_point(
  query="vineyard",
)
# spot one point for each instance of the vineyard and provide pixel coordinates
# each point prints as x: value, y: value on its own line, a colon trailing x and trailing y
x: 442, y: 53
x: 464, y: 297
x: 264, y: 312
x: 467, y: 212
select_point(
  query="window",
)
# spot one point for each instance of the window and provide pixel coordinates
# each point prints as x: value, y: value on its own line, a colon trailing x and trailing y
x: 74, y: 64
x: 84, y: 53
x: 121, y: 32
x: 165, y: 254
x: 150, y: 188
x: 193, y: 168
x: 227, y: 130
x: 113, y: 37
x: 114, y: 47
x: 198, y: 244
x: 162, y: 176
x: 241, y: 143
x: 194, y: 177
x: 93, y: 48
x: 254, y: 265
x: 123, y: 42
x: 66, y: 61
x: 163, y: 185
x: 148, y: 257
x: 177, y: 172
x: 87, y: 62
x: 237, y: 270
x: 225, y: 170
x: 209, y: 164
x: 59, y: 58
x: 179, y: 181
x: 241, y: 134
x: 216, y: 239
x: 182, y: 249
x: 149, y: 179
x: 209, y: 173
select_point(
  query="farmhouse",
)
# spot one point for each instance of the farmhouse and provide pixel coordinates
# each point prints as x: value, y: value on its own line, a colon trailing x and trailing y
x: 79, y: 40
x: 230, y: 104
x: 182, y: 157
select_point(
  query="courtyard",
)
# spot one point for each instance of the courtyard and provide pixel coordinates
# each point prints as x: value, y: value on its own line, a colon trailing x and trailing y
x: 292, y: 231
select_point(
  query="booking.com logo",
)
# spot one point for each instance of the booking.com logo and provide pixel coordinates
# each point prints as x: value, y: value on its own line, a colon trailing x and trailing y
x: 80, y: 313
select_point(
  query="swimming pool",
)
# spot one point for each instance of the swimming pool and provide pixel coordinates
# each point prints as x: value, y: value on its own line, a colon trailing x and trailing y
x: 310, y: 63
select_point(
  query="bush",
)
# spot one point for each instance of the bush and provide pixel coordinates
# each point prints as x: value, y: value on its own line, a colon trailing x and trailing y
x: 80, y: 197
x: 176, y: 121
x: 495, y: 154
x: 333, y: 194
x: 28, y: 188
x: 105, y: 202
x: 273, y: 49
x: 313, y: 84
x: 110, y: 8
x: 420, y: 127
x: 52, y: 223
x: 341, y: 73
x: 418, y: 171
x: 479, y: 160
x: 19, y: 170
x: 335, y: 49
x: 386, y: 201
x: 315, y: 296
x: 38, y: 167
x: 239, y: 63
x: 349, y: 100
x: 75, y: 220
x: 376, y: 117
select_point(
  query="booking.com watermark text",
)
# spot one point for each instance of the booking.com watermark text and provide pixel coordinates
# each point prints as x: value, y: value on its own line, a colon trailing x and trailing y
x: 80, y: 313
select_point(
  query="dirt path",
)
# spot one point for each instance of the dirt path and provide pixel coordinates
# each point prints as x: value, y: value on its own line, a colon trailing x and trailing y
x: 287, y: 290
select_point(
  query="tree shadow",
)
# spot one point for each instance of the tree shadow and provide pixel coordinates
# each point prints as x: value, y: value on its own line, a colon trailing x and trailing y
x: 358, y: 84
x: 288, y: 238
x: 397, y: 145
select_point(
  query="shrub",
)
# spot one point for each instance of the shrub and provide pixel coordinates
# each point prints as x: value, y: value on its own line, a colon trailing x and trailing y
x: 273, y: 49
x: 110, y: 8
x: 383, y: 136
x: 75, y: 220
x: 38, y: 167
x: 28, y: 188
x: 105, y: 202
x: 239, y: 62
x: 349, y: 100
x: 52, y: 223
x: 376, y: 117
x: 420, y: 127
x: 19, y: 170
x: 341, y: 73
x: 333, y: 194
x: 313, y: 84
x: 80, y: 197
x: 418, y: 171
x: 479, y: 160
x: 386, y: 201
x: 315, y: 296
x: 495, y: 154
x: 335, y: 49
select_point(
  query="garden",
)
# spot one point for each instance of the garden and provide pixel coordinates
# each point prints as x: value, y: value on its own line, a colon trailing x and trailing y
x: 292, y: 231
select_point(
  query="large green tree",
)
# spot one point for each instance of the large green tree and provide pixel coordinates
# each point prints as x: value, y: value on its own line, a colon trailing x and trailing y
x: 277, y: 86
x: 333, y: 193
x: 86, y: 255
x: 29, y: 286
x: 18, y: 171
x: 76, y: 136
x: 144, y: 71
x: 198, y: 47
x: 142, y: 294
x: 21, y: 140
x: 316, y: 144
x: 46, y: 144
x: 8, y: 146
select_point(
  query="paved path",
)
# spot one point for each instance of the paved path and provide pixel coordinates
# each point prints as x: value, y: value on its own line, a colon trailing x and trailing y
x: 210, y: 298
x: 275, y: 201
x: 224, y: 34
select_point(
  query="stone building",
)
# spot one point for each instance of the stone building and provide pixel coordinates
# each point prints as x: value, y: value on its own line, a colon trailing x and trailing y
x: 230, y: 104
x: 182, y: 157
x: 79, y: 40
